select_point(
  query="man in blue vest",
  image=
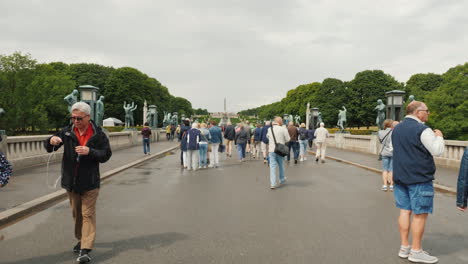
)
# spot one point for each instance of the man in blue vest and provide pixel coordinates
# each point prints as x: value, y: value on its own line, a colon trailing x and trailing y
x: 414, y: 145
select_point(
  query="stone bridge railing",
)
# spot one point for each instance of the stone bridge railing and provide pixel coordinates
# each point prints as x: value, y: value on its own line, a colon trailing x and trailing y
x: 371, y: 144
x: 27, y: 151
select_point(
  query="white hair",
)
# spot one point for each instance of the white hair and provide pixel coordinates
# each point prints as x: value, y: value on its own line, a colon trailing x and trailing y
x: 82, y: 107
x: 322, y: 124
x: 267, y: 123
x: 195, y: 125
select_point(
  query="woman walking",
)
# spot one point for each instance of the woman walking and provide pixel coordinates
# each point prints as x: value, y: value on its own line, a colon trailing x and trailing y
x: 205, y: 137
x: 385, y: 137
x: 241, y: 140
x: 303, y: 142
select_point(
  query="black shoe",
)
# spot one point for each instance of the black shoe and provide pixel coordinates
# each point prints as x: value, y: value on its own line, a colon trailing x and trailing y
x: 295, y: 161
x: 316, y: 159
x: 77, y: 248
x: 84, y: 256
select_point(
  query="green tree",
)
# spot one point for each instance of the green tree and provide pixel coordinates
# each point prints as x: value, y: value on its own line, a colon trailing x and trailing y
x: 330, y: 97
x: 422, y: 84
x: 364, y: 90
x: 16, y: 72
x: 449, y: 104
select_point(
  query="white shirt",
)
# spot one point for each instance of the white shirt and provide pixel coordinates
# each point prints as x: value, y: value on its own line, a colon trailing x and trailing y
x: 434, y: 144
x: 281, y: 135
x: 321, y: 134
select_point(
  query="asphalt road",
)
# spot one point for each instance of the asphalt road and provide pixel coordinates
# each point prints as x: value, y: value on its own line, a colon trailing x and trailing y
x: 158, y: 213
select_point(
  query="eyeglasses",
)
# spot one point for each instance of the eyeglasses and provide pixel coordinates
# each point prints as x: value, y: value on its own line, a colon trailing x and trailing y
x: 427, y: 111
x: 77, y: 118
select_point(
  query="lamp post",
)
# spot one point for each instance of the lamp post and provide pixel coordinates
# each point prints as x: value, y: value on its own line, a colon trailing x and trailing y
x: 153, y: 122
x: 315, y: 112
x: 395, y: 104
x: 88, y: 94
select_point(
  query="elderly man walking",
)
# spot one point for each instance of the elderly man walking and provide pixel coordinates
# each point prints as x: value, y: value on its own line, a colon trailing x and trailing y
x: 277, y: 134
x: 321, y: 135
x: 85, y: 146
x: 414, y: 145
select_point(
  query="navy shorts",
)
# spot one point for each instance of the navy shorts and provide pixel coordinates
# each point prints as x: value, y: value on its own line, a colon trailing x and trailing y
x: 418, y: 198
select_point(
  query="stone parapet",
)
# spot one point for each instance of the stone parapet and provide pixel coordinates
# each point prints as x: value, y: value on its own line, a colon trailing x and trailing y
x: 28, y: 151
x: 371, y: 144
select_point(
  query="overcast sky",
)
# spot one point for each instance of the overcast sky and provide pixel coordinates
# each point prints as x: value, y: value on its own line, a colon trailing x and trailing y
x: 252, y: 51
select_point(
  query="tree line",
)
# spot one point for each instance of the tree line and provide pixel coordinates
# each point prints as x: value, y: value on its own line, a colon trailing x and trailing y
x: 445, y: 94
x: 32, y: 93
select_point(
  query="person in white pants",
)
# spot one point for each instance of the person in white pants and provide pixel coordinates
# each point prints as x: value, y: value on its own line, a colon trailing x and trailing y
x: 321, y: 135
x: 216, y: 140
x: 193, y: 138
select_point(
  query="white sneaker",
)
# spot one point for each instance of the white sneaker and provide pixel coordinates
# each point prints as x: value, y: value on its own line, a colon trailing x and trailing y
x: 302, y: 159
x: 404, y: 251
x: 422, y: 257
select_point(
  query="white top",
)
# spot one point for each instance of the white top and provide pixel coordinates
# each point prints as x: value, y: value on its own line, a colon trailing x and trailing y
x: 281, y: 135
x: 434, y: 144
x: 321, y: 134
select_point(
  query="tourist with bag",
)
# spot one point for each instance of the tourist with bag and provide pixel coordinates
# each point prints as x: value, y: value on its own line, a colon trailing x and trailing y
x: 277, y: 136
x: 386, y: 154
x: 302, y: 142
x: 205, y: 137
x: 216, y: 144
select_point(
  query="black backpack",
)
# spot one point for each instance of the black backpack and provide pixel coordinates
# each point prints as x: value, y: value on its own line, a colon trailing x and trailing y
x: 302, y: 134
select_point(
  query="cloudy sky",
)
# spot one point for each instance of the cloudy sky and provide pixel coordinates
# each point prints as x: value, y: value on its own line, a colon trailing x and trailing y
x: 251, y: 51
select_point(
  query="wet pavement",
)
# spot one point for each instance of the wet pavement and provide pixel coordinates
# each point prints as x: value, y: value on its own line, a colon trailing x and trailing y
x: 158, y: 213
x: 31, y: 183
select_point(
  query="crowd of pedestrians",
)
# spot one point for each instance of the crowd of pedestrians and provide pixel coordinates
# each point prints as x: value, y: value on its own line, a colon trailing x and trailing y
x: 407, y: 151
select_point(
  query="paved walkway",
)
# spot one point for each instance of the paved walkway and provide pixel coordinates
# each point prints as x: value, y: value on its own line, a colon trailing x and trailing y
x: 444, y: 176
x: 28, y: 184
x: 158, y: 213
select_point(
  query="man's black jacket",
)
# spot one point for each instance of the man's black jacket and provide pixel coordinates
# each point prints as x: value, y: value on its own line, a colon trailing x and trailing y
x: 81, y: 174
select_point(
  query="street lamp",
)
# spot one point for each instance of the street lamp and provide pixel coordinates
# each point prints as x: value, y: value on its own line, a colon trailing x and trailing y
x: 153, y: 122
x: 315, y: 112
x: 395, y: 104
x: 88, y: 94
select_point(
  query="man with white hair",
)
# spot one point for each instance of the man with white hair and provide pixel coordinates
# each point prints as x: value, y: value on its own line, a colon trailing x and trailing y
x: 277, y: 134
x: 193, y: 140
x: 85, y: 146
x: 321, y: 135
x: 414, y: 145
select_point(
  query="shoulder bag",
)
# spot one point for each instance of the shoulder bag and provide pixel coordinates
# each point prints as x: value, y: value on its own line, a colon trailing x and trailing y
x: 280, y: 149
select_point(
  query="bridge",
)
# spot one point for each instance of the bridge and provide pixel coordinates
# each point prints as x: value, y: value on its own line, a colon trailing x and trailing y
x: 152, y: 211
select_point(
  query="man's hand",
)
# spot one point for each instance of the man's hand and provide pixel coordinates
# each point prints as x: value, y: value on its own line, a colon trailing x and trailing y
x: 82, y: 150
x: 55, y: 141
x: 438, y: 133
x: 461, y: 208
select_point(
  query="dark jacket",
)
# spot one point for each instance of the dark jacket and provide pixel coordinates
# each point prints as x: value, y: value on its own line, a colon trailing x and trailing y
x: 229, y: 133
x: 412, y: 162
x: 182, y: 130
x: 293, y: 134
x: 264, y: 137
x: 146, y: 132
x: 81, y: 174
x: 462, y: 185
x: 242, y: 137
x: 302, y: 133
x: 257, y: 134
x: 193, y: 138
x: 310, y: 134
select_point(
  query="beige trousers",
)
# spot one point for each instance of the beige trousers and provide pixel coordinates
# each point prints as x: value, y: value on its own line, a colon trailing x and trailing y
x: 84, y: 214
x: 321, y: 148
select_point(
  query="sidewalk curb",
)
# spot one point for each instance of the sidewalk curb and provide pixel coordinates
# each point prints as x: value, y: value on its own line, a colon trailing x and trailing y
x: 437, y: 187
x: 25, y: 210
